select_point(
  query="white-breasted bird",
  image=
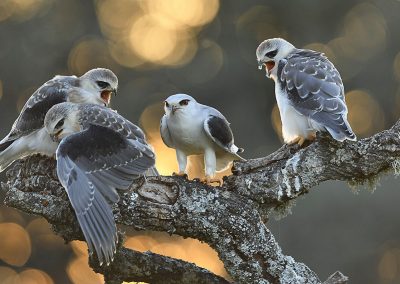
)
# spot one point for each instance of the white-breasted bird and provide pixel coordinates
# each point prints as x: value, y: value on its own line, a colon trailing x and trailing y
x: 28, y: 136
x: 308, y: 89
x: 195, y: 129
x: 99, y: 151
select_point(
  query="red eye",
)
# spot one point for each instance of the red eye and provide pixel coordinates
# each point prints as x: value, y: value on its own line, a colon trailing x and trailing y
x: 166, y: 104
x: 184, y: 102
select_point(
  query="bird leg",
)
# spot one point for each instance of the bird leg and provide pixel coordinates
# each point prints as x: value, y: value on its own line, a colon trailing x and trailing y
x: 209, y: 180
x: 312, y: 136
x: 299, y: 140
x: 179, y: 174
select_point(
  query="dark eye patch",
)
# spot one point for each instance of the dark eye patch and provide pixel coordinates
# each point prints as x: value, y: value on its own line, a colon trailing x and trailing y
x: 272, y: 53
x: 102, y: 84
x: 60, y: 123
x: 184, y: 102
x: 166, y: 104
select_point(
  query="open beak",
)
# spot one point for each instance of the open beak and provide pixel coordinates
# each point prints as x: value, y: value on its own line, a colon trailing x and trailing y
x: 269, y: 65
x: 106, y: 95
x: 56, y: 136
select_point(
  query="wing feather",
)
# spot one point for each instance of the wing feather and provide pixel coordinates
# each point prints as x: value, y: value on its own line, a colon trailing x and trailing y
x: 315, y: 90
x: 91, y: 165
x: 32, y: 115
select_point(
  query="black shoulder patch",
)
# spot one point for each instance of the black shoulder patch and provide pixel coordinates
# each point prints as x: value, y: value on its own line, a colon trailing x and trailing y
x: 220, y: 130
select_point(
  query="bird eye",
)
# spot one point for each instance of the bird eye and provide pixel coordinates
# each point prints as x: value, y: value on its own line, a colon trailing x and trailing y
x: 272, y: 53
x: 184, y: 102
x: 60, y: 123
x: 102, y: 84
x: 166, y: 104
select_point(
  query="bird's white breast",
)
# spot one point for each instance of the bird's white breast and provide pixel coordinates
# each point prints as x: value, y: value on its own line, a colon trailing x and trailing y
x: 187, y: 133
x: 294, y: 124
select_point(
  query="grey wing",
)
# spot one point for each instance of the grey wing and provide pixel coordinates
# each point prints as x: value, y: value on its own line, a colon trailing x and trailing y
x: 315, y: 89
x: 165, y: 134
x: 217, y: 128
x: 91, y: 165
x: 32, y: 114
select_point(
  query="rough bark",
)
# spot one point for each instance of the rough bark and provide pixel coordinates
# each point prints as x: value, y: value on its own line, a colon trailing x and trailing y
x: 231, y: 218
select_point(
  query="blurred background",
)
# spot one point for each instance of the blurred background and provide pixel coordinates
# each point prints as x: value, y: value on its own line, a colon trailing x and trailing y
x: 206, y: 48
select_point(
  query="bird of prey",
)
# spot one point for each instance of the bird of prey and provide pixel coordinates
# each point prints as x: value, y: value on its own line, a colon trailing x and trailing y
x: 193, y: 129
x: 27, y: 135
x: 99, y: 151
x: 308, y: 90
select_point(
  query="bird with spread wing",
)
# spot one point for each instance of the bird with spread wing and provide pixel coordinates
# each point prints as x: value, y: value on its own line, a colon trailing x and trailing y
x: 99, y: 151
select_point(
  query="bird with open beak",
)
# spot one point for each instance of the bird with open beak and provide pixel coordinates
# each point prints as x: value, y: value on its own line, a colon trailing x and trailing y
x: 308, y: 89
x: 28, y: 136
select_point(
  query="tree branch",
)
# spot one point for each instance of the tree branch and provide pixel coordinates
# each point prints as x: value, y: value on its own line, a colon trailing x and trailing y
x: 227, y: 218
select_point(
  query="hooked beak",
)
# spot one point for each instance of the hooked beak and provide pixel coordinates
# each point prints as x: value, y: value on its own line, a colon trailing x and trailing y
x: 269, y: 65
x: 174, y: 109
x: 106, y: 95
x: 56, y: 136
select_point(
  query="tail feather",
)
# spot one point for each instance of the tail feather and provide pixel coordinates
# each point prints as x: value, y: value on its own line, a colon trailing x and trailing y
x: 10, y: 152
x: 152, y: 172
x: 5, y: 145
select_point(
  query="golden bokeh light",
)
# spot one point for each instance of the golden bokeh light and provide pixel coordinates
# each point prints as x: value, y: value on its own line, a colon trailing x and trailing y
x: 366, y: 116
x: 80, y: 248
x: 152, y: 41
x: 177, y: 247
x: 154, y: 31
x: 15, y: 244
x: 79, y: 272
x: 185, y: 12
x: 364, y: 36
x: 90, y: 53
x: 33, y: 276
x: 166, y: 162
x: 324, y: 48
x: 388, y: 267
x: 259, y: 22
x: 276, y: 121
x: 7, y: 275
x: 41, y: 234
x: 23, y: 10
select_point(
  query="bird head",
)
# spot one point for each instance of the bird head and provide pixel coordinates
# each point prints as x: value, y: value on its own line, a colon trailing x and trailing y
x: 270, y: 52
x: 102, y: 83
x: 61, y: 121
x: 179, y: 103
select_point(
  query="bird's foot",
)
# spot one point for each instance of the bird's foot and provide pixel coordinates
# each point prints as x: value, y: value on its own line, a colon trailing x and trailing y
x: 298, y: 140
x: 180, y: 174
x: 209, y: 180
x: 312, y: 136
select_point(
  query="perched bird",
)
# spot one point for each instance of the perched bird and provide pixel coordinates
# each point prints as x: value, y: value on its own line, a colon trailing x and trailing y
x: 99, y: 151
x: 308, y: 90
x: 193, y: 129
x: 28, y: 136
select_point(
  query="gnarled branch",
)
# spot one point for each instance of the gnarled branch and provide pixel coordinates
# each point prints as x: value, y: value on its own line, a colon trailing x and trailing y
x: 228, y: 218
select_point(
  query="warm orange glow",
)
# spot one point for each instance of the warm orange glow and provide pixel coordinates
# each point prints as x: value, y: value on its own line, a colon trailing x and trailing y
x: 276, y: 121
x: 41, y: 234
x: 159, y: 32
x: 90, y: 53
x: 186, y: 249
x: 388, y: 265
x: 15, y: 244
x: 317, y: 46
x: 79, y: 272
x: 366, y: 116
